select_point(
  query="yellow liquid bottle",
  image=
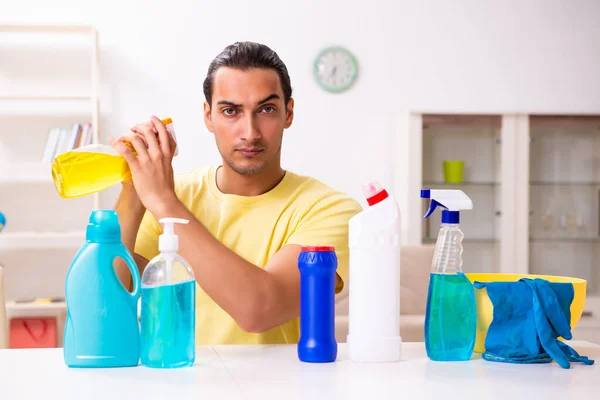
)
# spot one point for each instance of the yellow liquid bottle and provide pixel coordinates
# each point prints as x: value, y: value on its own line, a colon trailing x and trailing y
x: 90, y: 169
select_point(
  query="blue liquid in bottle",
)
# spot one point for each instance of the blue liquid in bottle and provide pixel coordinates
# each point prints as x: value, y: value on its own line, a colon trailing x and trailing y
x: 168, y: 325
x: 450, y: 319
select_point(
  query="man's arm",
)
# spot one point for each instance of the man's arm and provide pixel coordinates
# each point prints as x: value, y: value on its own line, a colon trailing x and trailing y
x: 257, y: 299
x: 130, y: 211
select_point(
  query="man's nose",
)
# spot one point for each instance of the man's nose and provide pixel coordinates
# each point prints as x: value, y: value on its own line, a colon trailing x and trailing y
x: 251, y: 130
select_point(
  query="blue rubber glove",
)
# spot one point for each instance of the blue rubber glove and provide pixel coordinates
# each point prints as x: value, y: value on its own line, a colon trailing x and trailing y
x: 529, y: 316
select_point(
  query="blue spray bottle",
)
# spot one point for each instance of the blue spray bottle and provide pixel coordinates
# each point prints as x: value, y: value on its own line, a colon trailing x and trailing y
x: 450, y: 319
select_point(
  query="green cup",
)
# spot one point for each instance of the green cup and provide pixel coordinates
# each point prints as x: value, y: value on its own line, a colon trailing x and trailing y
x: 453, y: 171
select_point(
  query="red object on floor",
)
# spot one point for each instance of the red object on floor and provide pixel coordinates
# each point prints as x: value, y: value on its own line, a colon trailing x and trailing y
x: 27, y: 333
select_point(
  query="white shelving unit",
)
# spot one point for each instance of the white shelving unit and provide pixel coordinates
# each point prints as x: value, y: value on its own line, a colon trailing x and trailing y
x: 534, y: 181
x: 43, y: 97
x: 48, y: 28
x: 47, y: 103
x: 43, y: 240
x: 26, y: 173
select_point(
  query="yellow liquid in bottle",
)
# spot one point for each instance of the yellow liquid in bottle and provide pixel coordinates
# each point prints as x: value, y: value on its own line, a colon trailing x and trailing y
x: 79, y: 173
x: 92, y: 168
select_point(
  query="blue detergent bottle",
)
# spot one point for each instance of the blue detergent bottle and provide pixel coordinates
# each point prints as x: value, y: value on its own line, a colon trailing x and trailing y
x: 450, y: 318
x: 101, y: 329
x: 168, y: 317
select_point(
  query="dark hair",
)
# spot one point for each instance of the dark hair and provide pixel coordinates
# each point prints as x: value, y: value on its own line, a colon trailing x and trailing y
x: 244, y: 56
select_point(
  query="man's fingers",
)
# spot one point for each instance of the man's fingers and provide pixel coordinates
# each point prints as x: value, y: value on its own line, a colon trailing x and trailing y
x: 139, y: 147
x: 143, y: 129
x: 156, y: 138
x: 149, y: 138
x: 149, y: 124
x: 124, y: 151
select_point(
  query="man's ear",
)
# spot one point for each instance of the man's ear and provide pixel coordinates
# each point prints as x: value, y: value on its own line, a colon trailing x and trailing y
x: 207, y: 118
x: 289, y: 115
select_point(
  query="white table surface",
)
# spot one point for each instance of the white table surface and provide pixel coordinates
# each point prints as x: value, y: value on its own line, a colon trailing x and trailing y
x: 274, y: 372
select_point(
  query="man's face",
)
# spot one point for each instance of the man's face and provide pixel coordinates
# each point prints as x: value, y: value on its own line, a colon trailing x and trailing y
x: 247, y: 116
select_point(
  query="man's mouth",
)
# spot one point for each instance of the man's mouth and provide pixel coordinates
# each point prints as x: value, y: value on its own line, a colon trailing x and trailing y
x: 249, y: 152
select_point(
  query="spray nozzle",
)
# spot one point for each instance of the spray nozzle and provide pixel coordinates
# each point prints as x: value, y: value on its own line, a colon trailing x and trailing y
x: 169, y: 241
x: 452, y: 200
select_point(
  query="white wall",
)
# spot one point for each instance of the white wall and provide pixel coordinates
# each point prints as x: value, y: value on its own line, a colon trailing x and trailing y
x: 469, y: 56
x: 466, y: 56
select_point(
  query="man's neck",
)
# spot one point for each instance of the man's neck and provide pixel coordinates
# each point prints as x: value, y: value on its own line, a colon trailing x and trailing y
x: 230, y: 182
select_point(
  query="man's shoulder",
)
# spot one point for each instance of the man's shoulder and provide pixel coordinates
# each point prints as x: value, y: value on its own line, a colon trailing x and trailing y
x: 193, y: 175
x: 317, y: 193
x: 192, y: 180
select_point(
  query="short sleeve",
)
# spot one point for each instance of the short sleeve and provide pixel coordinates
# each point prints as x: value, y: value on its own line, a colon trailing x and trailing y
x: 146, y: 243
x: 326, y: 224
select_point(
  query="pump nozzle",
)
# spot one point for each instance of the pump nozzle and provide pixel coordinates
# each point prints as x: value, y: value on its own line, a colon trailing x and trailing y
x: 168, y: 241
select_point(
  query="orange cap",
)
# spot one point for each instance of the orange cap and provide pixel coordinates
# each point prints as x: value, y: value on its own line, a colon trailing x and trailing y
x: 167, y: 121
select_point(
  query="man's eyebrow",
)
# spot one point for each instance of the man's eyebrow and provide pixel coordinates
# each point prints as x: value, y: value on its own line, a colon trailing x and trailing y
x: 229, y: 103
x: 270, y: 97
x: 232, y: 104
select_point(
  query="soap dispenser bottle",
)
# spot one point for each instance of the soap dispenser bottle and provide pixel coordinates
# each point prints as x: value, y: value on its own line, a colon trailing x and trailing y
x: 450, y: 316
x: 168, y: 318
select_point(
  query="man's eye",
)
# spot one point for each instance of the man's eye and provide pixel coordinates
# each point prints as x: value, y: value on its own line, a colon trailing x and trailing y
x: 268, y: 109
x: 228, y: 111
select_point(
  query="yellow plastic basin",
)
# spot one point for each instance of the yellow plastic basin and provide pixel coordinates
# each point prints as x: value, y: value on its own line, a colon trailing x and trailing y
x: 485, y: 308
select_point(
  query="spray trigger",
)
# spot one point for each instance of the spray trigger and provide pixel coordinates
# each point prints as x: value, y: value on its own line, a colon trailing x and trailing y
x: 434, y: 204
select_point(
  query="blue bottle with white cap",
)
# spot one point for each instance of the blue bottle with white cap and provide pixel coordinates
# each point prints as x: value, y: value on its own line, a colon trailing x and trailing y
x: 450, y: 318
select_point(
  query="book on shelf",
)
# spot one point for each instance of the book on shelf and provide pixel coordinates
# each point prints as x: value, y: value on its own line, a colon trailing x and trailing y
x: 61, y: 140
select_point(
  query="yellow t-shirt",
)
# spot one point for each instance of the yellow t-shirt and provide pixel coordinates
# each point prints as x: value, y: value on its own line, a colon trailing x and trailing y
x: 299, y: 210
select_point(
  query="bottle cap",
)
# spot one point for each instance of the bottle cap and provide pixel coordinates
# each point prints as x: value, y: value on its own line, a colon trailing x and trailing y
x: 318, y: 248
x: 103, y: 227
x: 374, y: 193
x: 168, y: 123
x: 450, y: 217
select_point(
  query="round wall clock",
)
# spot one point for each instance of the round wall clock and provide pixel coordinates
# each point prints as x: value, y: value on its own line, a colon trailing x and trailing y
x: 335, y: 69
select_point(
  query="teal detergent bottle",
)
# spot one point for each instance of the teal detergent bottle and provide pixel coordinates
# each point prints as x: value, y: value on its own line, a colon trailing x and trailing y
x: 450, y: 318
x: 101, y: 329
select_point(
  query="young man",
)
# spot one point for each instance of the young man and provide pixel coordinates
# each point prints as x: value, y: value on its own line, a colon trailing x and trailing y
x: 248, y: 217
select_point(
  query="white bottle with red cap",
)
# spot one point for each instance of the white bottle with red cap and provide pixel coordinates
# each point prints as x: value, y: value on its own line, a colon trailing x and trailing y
x: 374, y: 293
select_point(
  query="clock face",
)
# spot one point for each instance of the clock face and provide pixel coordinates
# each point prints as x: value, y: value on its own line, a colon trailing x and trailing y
x: 335, y: 69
